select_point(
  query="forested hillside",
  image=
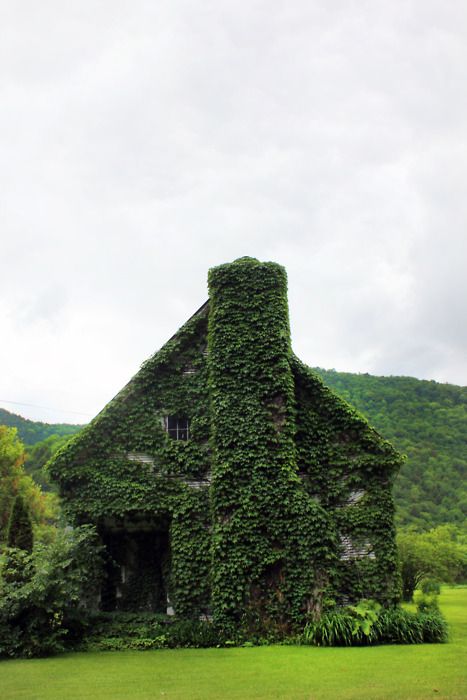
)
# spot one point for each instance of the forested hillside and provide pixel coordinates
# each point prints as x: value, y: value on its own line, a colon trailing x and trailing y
x: 30, y: 431
x: 426, y: 421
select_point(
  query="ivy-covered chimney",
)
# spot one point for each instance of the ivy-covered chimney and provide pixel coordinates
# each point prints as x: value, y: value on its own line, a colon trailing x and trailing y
x: 256, y: 495
x: 251, y: 381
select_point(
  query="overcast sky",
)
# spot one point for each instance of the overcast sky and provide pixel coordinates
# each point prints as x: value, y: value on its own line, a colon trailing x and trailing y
x: 143, y: 142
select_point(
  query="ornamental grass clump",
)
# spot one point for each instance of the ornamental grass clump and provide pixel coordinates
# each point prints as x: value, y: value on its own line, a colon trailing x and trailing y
x: 334, y: 628
x: 368, y: 624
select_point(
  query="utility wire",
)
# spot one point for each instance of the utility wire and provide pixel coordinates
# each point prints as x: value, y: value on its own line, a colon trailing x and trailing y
x: 45, y: 408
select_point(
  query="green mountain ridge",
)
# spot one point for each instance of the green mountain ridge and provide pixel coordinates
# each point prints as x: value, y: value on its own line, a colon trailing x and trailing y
x: 30, y: 432
x: 425, y: 420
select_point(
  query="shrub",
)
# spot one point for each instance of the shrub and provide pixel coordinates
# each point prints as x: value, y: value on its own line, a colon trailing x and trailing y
x: 112, y: 631
x: 192, y: 633
x: 431, y: 586
x: 427, y: 603
x: 45, y: 609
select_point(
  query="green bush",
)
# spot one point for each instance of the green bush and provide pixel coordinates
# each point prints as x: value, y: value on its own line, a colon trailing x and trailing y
x: 114, y: 631
x: 427, y: 603
x: 125, y: 624
x: 192, y: 633
x: 431, y: 587
x: 45, y: 596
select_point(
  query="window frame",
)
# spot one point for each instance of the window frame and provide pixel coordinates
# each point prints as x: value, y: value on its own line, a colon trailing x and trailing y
x: 177, y: 427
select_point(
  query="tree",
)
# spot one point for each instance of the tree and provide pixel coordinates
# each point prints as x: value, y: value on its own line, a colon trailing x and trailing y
x: 14, y: 481
x: 20, y: 534
x: 11, y: 463
x: 434, y: 554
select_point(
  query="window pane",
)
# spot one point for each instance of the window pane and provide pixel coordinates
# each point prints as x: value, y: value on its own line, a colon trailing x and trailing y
x: 171, y: 423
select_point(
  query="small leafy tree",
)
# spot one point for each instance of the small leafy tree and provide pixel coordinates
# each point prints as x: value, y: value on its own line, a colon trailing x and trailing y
x: 14, y: 481
x: 20, y: 534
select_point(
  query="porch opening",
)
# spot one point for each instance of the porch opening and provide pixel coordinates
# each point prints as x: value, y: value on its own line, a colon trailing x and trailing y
x: 137, y: 567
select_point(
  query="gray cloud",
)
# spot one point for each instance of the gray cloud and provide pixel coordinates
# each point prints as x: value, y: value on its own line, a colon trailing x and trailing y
x: 143, y: 143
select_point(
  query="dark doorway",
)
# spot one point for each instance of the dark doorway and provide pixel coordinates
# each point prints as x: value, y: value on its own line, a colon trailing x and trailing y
x: 137, y: 569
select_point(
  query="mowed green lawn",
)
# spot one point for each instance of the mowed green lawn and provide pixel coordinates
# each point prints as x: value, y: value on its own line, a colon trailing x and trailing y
x: 288, y: 673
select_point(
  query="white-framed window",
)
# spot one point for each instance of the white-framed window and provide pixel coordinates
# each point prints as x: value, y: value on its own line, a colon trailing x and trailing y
x: 177, y: 428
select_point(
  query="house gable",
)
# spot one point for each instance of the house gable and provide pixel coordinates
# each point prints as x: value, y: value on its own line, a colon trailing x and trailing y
x: 112, y: 463
x: 348, y: 467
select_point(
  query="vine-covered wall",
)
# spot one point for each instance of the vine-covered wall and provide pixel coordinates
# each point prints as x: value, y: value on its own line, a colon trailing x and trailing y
x: 280, y: 497
x: 123, y: 469
x: 350, y: 470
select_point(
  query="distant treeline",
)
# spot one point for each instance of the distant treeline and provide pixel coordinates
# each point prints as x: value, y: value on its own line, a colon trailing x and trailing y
x: 426, y: 421
x: 30, y: 431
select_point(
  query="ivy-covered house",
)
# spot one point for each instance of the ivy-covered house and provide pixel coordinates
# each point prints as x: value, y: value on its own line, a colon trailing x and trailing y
x: 225, y: 479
